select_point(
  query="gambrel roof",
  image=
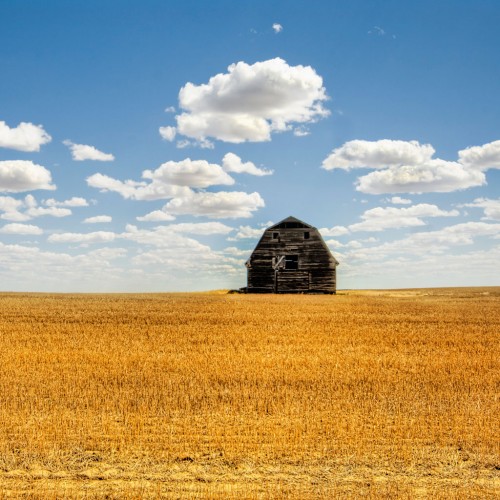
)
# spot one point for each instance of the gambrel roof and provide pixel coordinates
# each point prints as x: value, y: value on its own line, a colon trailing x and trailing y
x: 291, y: 223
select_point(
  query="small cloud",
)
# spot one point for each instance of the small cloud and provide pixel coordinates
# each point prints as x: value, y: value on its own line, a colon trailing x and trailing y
x: 233, y: 163
x: 96, y: 237
x: 25, y: 137
x: 277, y: 28
x: 170, y: 109
x: 98, y: 219
x: 397, y: 200
x: 168, y: 133
x: 73, y: 202
x: 52, y: 211
x: 184, y: 143
x: 16, y: 228
x: 219, y: 205
x: 377, y: 30
x: 156, y: 216
x: 17, y: 176
x: 300, y: 131
x: 82, y: 152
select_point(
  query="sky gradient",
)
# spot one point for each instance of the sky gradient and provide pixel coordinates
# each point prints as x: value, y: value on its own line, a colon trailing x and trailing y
x: 144, y: 146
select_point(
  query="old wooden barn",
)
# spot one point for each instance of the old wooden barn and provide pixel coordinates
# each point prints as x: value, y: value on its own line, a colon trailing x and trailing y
x: 291, y: 257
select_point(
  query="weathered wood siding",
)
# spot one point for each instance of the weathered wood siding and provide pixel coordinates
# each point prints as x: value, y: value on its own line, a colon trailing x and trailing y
x: 316, y: 267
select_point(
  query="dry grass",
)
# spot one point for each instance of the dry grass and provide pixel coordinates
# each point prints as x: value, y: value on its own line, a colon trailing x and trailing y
x: 389, y: 394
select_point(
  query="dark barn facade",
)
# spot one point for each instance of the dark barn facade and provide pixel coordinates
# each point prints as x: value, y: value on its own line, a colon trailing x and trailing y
x: 291, y: 257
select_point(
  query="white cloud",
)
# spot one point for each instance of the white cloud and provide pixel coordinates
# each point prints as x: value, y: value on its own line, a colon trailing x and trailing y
x: 170, y: 109
x: 25, y: 137
x: 98, y: 219
x: 248, y: 232
x: 200, y: 228
x: 491, y: 207
x: 408, y: 166
x: 378, y: 154
x: 156, y: 216
x: 379, y: 218
x: 136, y: 190
x: 21, y: 229
x: 301, y: 131
x: 95, y: 237
x: 251, y: 101
x: 481, y: 157
x: 218, y: 205
x: 82, y: 152
x: 10, y: 208
x: 163, y: 236
x: 434, y: 176
x: 52, y: 211
x: 334, y: 231
x: 168, y: 133
x: 189, y: 173
x: 237, y: 252
x: 17, y: 176
x: 9, y: 204
x: 30, y: 201
x: 277, y: 28
x: 377, y: 30
x: 233, y: 163
x: 75, y: 201
x: 397, y: 200
x: 169, y: 180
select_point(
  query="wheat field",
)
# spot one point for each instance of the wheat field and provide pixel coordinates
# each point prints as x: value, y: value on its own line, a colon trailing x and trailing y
x: 376, y: 394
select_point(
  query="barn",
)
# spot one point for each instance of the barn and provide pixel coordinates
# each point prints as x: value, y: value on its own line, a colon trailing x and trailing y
x: 291, y: 257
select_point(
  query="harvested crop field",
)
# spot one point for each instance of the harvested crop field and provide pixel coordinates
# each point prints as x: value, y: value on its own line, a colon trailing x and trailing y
x: 392, y: 394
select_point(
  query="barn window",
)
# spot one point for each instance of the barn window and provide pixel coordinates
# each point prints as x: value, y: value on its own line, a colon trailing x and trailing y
x: 306, y: 235
x: 292, y: 262
x: 276, y: 236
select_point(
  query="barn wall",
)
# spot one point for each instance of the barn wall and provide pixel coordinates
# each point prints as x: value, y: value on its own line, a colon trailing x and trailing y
x: 316, y: 269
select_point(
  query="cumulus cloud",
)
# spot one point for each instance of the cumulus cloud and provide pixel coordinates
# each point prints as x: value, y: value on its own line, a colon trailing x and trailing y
x: 334, y: 231
x: 52, y: 211
x: 403, y: 167
x: 95, y: 237
x: 491, y: 207
x: 201, y: 228
x: 8, y: 204
x: 233, y: 163
x: 169, y: 180
x: 378, y: 154
x: 168, y: 133
x: 397, y: 200
x: 75, y: 201
x: 156, y: 216
x: 277, y: 28
x: 481, y: 157
x: 16, y: 228
x: 189, y: 173
x: 134, y: 190
x: 248, y: 232
x: 218, y: 205
x: 98, y: 219
x: 25, y: 137
x: 162, y: 236
x: 379, y: 218
x: 251, y: 101
x: 434, y: 176
x: 17, y: 176
x: 82, y: 152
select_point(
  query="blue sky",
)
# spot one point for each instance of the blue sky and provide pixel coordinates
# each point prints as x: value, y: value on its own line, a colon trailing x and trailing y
x: 145, y: 145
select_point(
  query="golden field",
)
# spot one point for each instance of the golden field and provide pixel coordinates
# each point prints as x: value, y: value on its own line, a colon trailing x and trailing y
x: 381, y: 394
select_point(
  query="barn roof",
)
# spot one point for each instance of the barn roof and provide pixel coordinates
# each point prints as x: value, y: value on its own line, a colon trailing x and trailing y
x: 291, y: 222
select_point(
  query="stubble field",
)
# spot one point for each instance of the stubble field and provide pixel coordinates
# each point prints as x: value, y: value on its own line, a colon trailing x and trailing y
x: 364, y: 394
